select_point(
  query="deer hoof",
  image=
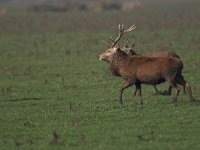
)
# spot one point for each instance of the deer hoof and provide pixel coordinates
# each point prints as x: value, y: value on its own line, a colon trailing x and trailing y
x: 173, y: 101
x: 193, y: 100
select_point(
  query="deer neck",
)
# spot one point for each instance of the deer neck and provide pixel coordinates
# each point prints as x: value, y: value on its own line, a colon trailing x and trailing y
x: 118, y: 63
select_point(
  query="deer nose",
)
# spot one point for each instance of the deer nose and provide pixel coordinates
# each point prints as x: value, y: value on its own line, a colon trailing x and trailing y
x: 100, y: 57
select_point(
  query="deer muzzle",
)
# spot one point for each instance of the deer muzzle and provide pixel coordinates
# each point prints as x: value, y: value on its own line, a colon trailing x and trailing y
x: 101, y: 57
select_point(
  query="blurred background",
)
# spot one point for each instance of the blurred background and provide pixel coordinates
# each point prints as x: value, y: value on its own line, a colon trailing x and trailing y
x: 62, y: 15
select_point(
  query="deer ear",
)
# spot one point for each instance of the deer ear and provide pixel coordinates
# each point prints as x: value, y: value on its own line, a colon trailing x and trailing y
x: 132, y: 52
x: 115, y: 49
x: 118, y: 49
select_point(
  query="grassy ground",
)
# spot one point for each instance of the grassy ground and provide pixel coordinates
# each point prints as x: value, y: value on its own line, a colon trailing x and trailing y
x: 55, y: 93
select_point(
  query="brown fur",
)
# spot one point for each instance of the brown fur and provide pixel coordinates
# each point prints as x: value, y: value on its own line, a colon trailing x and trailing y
x: 165, y: 53
x: 145, y: 70
x: 161, y: 54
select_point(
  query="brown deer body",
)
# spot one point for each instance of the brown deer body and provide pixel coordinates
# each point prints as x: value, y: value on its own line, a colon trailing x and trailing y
x: 165, y: 53
x: 137, y: 70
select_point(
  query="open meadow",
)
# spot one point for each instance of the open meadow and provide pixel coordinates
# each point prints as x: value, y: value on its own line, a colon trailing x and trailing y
x: 56, y: 94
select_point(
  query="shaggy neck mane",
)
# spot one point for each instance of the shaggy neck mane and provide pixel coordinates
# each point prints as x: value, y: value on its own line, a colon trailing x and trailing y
x: 118, y: 61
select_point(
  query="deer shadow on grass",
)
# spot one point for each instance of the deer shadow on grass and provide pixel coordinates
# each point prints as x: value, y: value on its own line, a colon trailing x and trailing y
x: 24, y: 99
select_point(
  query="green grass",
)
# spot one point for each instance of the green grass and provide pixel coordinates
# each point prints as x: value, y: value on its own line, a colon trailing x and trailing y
x: 52, y: 84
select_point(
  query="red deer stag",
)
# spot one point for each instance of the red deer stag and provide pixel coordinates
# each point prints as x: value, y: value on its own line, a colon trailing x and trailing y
x: 130, y: 51
x: 144, y: 70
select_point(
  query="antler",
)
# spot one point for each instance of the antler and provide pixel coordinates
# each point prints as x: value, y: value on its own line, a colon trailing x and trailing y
x: 127, y: 41
x: 121, y: 32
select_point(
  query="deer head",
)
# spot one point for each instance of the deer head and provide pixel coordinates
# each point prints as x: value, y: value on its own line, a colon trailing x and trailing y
x: 108, y: 54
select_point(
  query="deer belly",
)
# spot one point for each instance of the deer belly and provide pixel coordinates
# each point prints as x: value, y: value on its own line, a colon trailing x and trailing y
x: 153, y: 79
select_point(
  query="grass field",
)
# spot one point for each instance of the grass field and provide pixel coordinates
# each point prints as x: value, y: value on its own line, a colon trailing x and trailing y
x: 56, y: 94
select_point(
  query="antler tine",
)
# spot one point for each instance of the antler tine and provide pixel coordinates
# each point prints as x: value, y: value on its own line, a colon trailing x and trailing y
x: 130, y: 29
x: 111, y: 38
x: 127, y: 41
x: 121, y: 28
x: 107, y: 42
x: 129, y: 37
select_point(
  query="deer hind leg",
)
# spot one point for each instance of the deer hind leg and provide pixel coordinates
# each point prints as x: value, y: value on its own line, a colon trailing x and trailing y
x: 157, y: 92
x: 126, y: 85
x: 184, y: 90
x: 186, y: 86
x: 176, y: 90
x: 139, y: 91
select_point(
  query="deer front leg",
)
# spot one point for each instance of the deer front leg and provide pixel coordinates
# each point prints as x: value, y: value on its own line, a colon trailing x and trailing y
x: 135, y: 92
x: 139, y: 91
x: 126, y: 85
